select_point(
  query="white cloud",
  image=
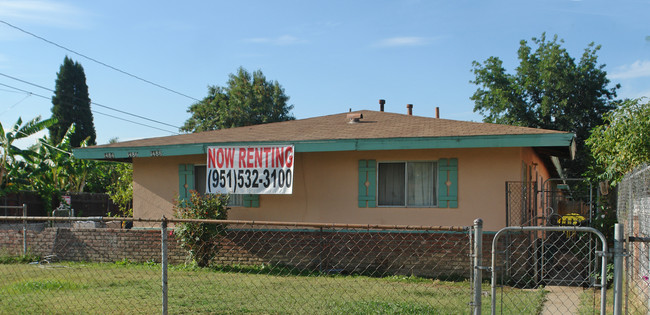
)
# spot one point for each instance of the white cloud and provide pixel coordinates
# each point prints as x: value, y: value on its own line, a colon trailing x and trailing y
x: 640, y: 68
x: 278, y: 41
x: 40, y: 11
x: 404, y: 41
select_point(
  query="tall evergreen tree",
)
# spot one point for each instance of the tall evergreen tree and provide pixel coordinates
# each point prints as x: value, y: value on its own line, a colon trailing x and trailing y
x: 71, y: 105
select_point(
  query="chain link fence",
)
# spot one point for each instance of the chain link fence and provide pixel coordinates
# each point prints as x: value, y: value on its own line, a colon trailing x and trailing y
x: 82, y: 265
x: 633, y: 210
x: 79, y: 265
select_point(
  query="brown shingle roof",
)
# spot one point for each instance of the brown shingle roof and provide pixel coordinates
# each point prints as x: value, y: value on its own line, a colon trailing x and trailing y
x: 373, y: 125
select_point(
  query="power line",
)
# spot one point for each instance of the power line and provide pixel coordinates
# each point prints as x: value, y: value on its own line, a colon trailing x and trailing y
x: 95, y: 111
x: 134, y: 122
x: 14, y: 105
x: 97, y: 61
x: 94, y: 103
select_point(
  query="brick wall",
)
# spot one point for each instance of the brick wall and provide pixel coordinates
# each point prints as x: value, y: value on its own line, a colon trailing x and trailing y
x: 429, y: 254
x: 96, y: 245
x: 378, y: 253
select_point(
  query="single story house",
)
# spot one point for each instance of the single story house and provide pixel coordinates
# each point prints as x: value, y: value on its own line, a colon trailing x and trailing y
x: 361, y: 167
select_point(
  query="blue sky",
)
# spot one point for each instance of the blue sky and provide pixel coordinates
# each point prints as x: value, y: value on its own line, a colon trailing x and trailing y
x: 329, y: 56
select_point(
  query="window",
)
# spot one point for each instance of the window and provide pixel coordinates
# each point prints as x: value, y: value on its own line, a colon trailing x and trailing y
x: 407, y: 184
x: 199, y: 185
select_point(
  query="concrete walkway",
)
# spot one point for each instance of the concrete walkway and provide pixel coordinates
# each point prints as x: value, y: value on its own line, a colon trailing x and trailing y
x: 562, y: 300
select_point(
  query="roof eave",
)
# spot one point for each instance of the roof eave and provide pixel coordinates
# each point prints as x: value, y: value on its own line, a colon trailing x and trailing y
x: 548, y: 140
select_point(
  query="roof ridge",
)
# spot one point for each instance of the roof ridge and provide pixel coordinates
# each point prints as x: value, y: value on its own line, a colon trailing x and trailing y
x: 374, y: 125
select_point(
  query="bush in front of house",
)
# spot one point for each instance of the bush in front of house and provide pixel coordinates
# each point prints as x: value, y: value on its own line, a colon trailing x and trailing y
x: 200, y: 239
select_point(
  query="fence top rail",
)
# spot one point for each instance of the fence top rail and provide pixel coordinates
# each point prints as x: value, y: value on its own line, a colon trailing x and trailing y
x: 11, y: 207
x: 244, y: 222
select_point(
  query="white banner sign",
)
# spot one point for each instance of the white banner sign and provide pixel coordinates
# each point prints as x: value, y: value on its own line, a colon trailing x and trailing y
x: 250, y: 170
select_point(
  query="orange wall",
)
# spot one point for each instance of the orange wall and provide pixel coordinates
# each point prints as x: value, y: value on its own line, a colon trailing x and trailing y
x: 539, y: 173
x: 326, y: 188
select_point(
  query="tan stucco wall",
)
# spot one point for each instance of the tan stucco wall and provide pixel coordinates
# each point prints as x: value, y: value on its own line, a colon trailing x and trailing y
x: 326, y: 188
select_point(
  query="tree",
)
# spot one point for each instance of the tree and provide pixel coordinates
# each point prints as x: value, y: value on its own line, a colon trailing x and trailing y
x: 53, y: 169
x: 247, y: 100
x: 548, y: 90
x: 201, y: 239
x: 121, y: 190
x: 12, y: 158
x: 71, y: 105
x: 623, y: 141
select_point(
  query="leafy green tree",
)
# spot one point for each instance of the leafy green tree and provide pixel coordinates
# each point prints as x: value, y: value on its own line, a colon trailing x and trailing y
x: 114, y: 179
x: 104, y: 174
x: 201, y: 239
x: 623, y: 141
x: 12, y: 158
x: 549, y: 89
x: 54, y: 169
x: 57, y: 165
x: 71, y: 105
x: 121, y: 189
x: 249, y: 99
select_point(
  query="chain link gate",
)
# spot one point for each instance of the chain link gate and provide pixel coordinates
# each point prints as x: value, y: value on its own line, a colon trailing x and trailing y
x: 561, y: 266
x: 521, y: 204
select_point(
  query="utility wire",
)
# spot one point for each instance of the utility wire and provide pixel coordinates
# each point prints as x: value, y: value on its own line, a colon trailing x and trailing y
x: 134, y: 122
x: 14, y: 105
x: 97, y: 61
x: 95, y: 111
x: 94, y: 103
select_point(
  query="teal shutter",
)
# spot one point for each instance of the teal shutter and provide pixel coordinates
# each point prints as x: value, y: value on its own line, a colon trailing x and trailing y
x: 251, y: 201
x: 367, y: 183
x: 185, y: 181
x: 448, y: 183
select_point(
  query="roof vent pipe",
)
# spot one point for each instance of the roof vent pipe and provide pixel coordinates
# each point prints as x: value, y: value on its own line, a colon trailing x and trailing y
x: 410, y: 109
x: 381, y: 105
x: 437, y: 112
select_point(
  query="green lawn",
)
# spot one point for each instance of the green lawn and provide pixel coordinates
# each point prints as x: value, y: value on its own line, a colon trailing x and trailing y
x: 136, y: 288
x: 590, y: 302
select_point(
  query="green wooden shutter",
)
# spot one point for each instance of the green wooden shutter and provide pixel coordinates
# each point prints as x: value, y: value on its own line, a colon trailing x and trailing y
x: 251, y: 201
x: 367, y: 183
x: 185, y: 181
x: 448, y: 183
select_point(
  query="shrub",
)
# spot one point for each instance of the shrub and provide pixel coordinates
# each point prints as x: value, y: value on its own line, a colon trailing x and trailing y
x: 198, y: 238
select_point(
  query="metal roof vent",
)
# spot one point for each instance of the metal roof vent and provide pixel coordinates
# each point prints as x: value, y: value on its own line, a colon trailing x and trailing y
x: 354, y: 118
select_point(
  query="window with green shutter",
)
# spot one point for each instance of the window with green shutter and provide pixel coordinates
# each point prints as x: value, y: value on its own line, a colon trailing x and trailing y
x: 367, y: 183
x: 251, y: 201
x: 448, y: 183
x: 185, y: 180
x: 408, y: 183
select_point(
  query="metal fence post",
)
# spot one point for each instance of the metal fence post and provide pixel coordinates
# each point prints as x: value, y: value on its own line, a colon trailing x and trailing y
x: 618, y: 268
x: 163, y: 261
x: 478, y: 273
x: 24, y: 229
